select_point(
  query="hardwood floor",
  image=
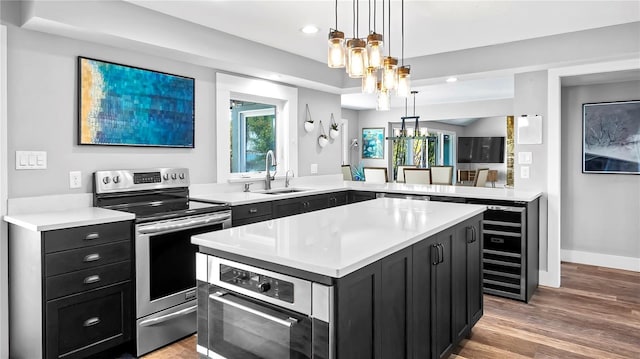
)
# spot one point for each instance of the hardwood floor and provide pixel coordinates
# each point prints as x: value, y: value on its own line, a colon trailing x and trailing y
x: 595, y: 314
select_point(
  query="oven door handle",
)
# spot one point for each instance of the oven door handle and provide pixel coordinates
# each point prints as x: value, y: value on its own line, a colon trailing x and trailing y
x: 218, y: 296
x: 164, y: 318
x: 192, y: 223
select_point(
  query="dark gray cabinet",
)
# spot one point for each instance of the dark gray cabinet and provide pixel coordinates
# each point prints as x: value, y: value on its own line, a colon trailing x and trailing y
x: 359, y: 196
x: 407, y: 304
x: 250, y: 213
x: 70, y: 290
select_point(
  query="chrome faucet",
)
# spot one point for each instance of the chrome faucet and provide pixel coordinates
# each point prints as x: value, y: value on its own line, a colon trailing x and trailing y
x: 269, y: 177
x: 287, y: 179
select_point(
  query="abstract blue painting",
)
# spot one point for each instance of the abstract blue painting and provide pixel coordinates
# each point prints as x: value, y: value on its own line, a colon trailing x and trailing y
x: 130, y: 106
x: 373, y: 143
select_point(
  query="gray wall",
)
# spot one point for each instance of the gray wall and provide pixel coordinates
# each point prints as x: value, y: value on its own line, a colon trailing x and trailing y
x: 42, y: 116
x: 321, y: 106
x: 600, y: 212
x: 353, y: 117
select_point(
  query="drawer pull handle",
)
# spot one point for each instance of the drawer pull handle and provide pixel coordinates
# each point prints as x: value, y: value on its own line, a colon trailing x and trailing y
x: 92, y: 236
x: 253, y: 210
x: 92, y: 257
x: 91, y: 322
x: 92, y: 279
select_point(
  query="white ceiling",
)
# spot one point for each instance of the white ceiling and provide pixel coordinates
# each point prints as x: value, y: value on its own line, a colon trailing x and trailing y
x: 430, y: 27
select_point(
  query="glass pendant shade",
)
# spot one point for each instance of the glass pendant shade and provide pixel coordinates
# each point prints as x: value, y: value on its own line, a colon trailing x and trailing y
x: 370, y: 80
x: 404, y: 81
x: 336, y: 49
x: 357, y: 58
x: 374, y: 49
x: 389, y: 72
x: 384, y: 100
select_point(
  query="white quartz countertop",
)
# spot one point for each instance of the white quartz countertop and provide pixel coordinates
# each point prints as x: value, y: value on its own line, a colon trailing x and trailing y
x: 505, y: 194
x: 46, y: 221
x: 339, y: 240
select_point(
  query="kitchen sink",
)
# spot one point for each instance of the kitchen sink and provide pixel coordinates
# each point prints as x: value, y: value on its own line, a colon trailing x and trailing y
x: 283, y: 190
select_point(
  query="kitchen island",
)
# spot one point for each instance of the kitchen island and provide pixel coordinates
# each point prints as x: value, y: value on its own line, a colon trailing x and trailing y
x: 393, y: 278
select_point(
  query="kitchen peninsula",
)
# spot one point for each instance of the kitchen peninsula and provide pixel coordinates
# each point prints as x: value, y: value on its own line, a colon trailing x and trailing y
x: 394, y: 277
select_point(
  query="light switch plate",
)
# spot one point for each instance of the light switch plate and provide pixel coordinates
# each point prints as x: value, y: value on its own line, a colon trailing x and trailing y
x: 31, y: 160
x: 314, y: 168
x: 525, y: 158
x: 524, y: 172
x: 75, y: 179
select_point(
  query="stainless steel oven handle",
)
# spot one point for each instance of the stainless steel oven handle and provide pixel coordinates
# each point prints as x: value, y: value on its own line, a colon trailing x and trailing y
x: 217, y: 296
x: 164, y: 318
x: 162, y: 227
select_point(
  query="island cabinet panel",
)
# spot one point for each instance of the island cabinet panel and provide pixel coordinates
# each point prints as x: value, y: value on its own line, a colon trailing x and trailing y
x: 419, y: 302
x: 375, y: 309
x: 359, y: 196
x: 467, y: 277
x: 292, y: 206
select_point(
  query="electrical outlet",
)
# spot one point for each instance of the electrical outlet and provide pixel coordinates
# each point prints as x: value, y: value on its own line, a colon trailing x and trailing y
x: 75, y: 179
x: 314, y: 168
x: 524, y: 172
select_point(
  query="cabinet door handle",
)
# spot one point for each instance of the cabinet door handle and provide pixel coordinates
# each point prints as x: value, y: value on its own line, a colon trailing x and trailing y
x: 92, y: 279
x: 91, y: 322
x: 474, y: 233
x: 253, y: 210
x: 92, y: 257
x: 441, y: 253
x: 92, y: 236
x: 435, y: 254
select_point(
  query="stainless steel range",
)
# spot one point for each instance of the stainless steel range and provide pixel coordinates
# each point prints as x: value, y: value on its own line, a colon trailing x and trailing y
x: 165, y: 269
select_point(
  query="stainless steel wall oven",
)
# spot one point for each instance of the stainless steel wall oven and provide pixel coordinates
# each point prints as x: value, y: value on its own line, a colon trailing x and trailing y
x: 252, y: 313
x: 165, y: 270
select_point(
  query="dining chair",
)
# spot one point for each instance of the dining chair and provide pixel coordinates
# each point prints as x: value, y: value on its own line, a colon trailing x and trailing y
x: 481, y: 177
x: 346, y: 173
x: 441, y: 175
x: 417, y: 176
x: 400, y: 174
x: 375, y: 174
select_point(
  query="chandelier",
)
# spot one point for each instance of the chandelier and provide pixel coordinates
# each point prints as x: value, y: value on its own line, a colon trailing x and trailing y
x: 364, y: 58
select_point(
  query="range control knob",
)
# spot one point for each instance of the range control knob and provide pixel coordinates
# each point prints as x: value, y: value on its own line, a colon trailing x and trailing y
x: 165, y: 177
x: 106, y: 180
x: 264, y: 287
x: 116, y: 179
x: 174, y: 176
x: 181, y: 176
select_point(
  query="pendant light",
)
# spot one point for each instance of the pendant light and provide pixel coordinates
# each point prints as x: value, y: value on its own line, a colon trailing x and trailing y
x: 389, y: 64
x: 336, y: 45
x: 375, y: 41
x: 404, y: 72
x: 356, y: 49
x: 384, y: 100
x: 370, y: 80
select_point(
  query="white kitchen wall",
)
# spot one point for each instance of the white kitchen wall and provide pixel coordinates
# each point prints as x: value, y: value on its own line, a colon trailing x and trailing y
x: 600, y: 212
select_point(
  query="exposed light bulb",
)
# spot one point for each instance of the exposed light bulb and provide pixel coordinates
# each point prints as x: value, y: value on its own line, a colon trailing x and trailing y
x: 375, y: 49
x: 336, y: 57
x: 369, y: 80
x: 404, y: 81
x: 389, y: 75
x: 384, y: 100
x: 357, y: 58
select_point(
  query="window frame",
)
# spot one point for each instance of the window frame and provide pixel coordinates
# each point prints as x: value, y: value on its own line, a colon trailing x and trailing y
x: 284, y: 98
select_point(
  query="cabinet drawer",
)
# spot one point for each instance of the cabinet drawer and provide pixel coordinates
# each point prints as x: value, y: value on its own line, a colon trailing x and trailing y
x: 75, y: 282
x: 77, y: 237
x: 251, y: 210
x: 85, y: 324
x: 87, y: 257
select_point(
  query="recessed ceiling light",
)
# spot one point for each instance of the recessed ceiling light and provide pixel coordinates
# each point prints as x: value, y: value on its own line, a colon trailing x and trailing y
x: 452, y: 79
x: 310, y: 29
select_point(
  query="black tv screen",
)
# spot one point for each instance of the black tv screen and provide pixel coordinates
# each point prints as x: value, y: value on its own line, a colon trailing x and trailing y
x: 480, y: 149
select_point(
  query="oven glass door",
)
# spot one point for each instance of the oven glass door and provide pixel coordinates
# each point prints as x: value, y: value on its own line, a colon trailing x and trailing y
x: 243, y: 328
x: 172, y: 261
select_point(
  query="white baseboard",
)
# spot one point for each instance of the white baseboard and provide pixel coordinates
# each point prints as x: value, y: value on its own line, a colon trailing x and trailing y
x: 601, y: 260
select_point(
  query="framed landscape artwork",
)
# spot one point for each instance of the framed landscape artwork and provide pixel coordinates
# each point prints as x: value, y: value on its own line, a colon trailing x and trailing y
x: 611, y: 137
x: 373, y: 143
x: 130, y: 106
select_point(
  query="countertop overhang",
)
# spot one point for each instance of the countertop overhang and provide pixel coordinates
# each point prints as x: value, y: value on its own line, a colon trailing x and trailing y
x: 339, y: 240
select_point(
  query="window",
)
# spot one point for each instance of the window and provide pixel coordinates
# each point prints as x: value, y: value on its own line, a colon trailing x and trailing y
x: 253, y: 133
x: 240, y: 145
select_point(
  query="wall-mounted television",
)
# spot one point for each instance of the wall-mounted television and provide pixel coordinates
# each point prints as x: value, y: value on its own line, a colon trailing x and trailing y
x: 131, y: 106
x: 480, y: 149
